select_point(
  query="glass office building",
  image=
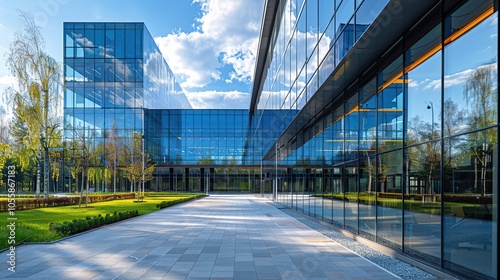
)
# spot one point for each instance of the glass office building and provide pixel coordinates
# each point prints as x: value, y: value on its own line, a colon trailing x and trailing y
x: 379, y: 117
x: 113, y: 72
x: 394, y: 127
x: 198, y: 150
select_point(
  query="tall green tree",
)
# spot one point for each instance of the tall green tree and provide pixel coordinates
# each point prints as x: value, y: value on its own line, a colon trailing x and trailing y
x: 36, y: 98
x: 140, y: 168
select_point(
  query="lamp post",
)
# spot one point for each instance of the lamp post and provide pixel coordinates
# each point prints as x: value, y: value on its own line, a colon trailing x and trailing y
x: 431, y: 107
x: 275, y: 190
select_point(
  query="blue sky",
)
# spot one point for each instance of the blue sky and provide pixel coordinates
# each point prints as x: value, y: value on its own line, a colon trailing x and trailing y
x: 210, y: 45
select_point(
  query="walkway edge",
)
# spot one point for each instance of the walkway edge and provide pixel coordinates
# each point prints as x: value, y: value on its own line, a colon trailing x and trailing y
x: 382, y: 249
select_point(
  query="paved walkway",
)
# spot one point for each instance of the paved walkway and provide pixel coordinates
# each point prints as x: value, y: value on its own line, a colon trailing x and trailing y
x: 218, y: 237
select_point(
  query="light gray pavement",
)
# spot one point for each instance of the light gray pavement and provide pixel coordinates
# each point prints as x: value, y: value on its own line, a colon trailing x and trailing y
x: 217, y: 237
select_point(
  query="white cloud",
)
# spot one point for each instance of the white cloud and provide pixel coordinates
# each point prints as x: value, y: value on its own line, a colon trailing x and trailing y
x: 218, y: 99
x: 227, y: 34
x: 455, y: 79
x: 412, y: 84
x: 459, y: 78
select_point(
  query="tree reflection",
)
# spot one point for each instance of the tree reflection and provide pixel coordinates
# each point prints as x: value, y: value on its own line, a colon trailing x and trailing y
x: 481, y: 93
x: 426, y: 157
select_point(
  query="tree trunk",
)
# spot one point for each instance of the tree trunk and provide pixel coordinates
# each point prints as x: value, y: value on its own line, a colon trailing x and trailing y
x: 475, y: 174
x: 46, y: 172
x: 87, y: 195
x: 38, y: 175
x: 81, y: 191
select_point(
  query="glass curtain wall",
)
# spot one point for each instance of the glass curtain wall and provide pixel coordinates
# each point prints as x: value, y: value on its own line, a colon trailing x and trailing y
x: 470, y: 133
x: 412, y: 153
x: 112, y: 72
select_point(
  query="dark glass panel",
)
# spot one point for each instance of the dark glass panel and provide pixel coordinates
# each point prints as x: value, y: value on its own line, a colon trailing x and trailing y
x: 390, y: 107
x: 130, y: 42
x: 110, y: 43
x: 389, y: 196
x: 470, y: 189
x: 422, y: 202
x: 120, y: 43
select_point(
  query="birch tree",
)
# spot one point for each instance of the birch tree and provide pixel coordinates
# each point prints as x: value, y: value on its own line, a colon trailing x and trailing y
x: 36, y: 99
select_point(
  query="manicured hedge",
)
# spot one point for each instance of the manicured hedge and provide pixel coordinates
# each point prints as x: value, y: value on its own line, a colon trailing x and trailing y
x: 153, y: 194
x: 473, y: 199
x: 76, y: 226
x: 165, y: 204
x: 34, y: 203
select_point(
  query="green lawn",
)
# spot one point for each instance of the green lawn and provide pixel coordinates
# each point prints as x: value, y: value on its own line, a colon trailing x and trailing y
x: 33, y: 225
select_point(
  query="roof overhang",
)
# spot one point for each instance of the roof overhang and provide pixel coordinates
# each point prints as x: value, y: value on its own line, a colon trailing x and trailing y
x: 269, y: 16
x: 394, y: 20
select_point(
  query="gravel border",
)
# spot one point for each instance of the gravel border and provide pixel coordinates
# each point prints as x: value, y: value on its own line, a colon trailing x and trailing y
x: 395, y: 266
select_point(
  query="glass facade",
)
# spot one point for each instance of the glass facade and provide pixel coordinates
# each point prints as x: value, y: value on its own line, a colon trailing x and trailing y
x: 196, y: 137
x: 112, y: 73
x: 199, y: 150
x: 405, y: 151
x: 379, y: 117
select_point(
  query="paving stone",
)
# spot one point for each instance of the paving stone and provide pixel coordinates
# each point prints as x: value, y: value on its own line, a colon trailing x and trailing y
x: 218, y: 237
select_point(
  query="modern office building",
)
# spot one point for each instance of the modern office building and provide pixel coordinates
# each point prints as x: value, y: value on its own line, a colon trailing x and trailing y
x: 113, y: 72
x: 394, y: 127
x: 379, y: 117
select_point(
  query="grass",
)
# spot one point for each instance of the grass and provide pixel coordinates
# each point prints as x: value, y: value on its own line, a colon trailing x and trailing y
x: 33, y: 225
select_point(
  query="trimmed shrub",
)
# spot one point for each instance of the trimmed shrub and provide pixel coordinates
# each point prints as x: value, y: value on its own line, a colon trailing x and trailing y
x: 76, y: 226
x: 34, y: 203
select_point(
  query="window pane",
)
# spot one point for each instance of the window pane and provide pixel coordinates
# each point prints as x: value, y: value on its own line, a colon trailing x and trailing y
x: 470, y: 186
x: 389, y: 192
x: 390, y: 107
x: 422, y: 212
x: 470, y: 79
x: 424, y: 101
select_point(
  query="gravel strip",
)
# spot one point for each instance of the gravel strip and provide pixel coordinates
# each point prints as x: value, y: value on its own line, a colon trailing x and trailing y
x: 397, y: 267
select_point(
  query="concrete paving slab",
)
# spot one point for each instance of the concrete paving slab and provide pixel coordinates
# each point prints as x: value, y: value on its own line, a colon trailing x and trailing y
x: 217, y: 237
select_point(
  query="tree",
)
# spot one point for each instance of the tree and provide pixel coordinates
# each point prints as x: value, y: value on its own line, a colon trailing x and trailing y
x: 206, y: 161
x: 112, y: 145
x: 4, y: 140
x: 480, y: 91
x: 140, y: 167
x: 4, y: 151
x: 36, y: 98
x: 427, y: 156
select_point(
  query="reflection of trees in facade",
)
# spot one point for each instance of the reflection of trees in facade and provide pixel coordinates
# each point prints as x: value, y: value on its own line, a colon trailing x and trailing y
x: 112, y: 145
x: 134, y: 159
x: 426, y: 158
x: 481, y: 94
x: 79, y: 162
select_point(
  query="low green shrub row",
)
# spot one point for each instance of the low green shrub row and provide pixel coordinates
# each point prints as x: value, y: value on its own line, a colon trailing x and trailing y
x: 368, y: 198
x: 35, y: 203
x: 4, y: 195
x: 76, y: 226
x: 165, y: 204
x: 153, y: 194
